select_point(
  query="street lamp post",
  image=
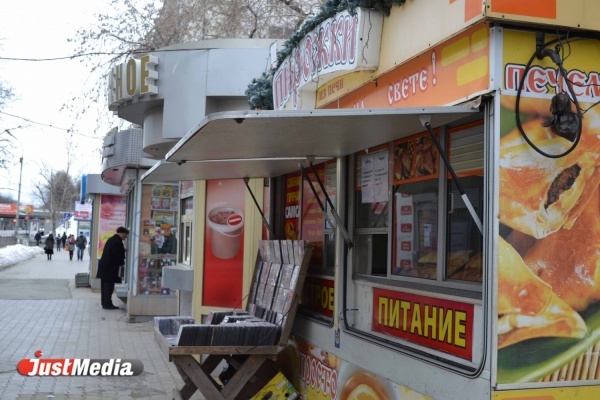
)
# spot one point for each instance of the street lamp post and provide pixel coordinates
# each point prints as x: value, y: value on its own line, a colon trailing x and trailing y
x: 19, y: 197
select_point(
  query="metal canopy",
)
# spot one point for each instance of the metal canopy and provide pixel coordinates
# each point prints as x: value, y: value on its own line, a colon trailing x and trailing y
x: 240, y: 135
x: 164, y: 171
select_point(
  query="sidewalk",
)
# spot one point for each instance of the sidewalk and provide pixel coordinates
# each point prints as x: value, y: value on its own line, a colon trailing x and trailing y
x: 41, y: 309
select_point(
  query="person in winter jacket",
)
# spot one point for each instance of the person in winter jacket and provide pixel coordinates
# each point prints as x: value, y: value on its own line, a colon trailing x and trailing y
x: 49, y: 246
x: 81, y: 242
x: 71, y: 243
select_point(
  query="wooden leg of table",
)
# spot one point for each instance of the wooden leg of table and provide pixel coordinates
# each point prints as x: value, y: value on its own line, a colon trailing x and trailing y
x: 188, y: 390
x: 198, y: 377
x: 211, y: 362
x: 242, y: 376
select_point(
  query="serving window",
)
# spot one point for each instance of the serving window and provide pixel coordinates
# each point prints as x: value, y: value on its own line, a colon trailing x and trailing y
x: 410, y: 221
x: 371, y: 204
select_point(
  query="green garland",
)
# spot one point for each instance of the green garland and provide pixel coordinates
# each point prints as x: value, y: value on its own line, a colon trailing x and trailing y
x: 260, y: 90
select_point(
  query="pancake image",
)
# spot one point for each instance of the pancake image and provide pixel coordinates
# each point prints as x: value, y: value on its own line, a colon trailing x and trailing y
x: 569, y: 260
x: 527, y: 306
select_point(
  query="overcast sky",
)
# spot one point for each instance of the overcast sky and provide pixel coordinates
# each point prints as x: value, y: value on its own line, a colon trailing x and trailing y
x: 36, y: 29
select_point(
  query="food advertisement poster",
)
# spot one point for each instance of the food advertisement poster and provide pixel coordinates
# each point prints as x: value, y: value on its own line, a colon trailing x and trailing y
x: 223, y: 243
x: 320, y: 375
x: 549, y: 212
x: 113, y: 209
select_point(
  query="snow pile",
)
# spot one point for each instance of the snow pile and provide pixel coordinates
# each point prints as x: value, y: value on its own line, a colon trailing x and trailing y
x: 12, y: 255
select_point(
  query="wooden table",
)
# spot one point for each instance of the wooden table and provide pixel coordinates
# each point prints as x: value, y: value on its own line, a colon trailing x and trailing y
x: 196, y: 374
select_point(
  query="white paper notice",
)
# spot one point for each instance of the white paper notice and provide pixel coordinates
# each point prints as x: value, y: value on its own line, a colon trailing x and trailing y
x: 366, y: 180
x: 374, y: 177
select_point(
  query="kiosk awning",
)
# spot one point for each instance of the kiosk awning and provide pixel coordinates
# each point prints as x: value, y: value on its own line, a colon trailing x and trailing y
x: 165, y: 171
x: 253, y: 144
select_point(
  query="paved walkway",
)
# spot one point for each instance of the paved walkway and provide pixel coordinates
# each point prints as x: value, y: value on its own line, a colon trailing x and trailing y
x: 41, y: 309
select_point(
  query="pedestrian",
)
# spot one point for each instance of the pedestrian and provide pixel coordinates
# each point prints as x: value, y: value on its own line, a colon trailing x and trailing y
x: 38, y: 238
x: 80, y: 243
x: 63, y: 239
x: 71, y: 244
x: 49, y: 246
x: 58, y: 243
x: 113, y: 257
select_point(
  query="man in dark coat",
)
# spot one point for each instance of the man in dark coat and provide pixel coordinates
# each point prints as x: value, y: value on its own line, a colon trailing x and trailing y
x: 113, y: 256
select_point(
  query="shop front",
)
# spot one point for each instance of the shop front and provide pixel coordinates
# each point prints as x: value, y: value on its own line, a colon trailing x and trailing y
x: 451, y: 195
x: 167, y: 93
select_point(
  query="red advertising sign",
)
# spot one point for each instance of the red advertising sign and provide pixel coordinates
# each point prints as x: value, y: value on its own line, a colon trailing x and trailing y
x: 11, y: 208
x: 312, y: 215
x: 318, y: 295
x: 436, y: 323
x: 223, y: 243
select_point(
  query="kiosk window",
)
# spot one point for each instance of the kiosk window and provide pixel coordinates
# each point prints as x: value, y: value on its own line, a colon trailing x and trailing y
x: 371, y: 212
x: 464, y: 245
x: 415, y: 229
x: 433, y: 236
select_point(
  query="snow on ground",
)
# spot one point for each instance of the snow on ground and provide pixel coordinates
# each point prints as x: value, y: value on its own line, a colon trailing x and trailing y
x: 12, y: 255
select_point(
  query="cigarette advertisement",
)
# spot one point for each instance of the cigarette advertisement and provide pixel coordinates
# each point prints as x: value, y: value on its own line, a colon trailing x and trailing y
x: 223, y: 243
x: 318, y: 374
x: 549, y: 211
x: 292, y: 207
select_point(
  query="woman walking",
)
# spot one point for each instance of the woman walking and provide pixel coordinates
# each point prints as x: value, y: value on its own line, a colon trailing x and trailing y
x: 49, y: 246
x: 71, y: 244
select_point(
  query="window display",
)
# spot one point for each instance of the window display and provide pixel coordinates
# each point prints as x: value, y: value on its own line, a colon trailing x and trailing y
x: 158, y: 242
x: 424, y: 208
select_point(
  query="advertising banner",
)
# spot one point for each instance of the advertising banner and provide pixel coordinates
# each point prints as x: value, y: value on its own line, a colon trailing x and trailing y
x: 11, y: 209
x: 223, y: 243
x: 318, y: 295
x: 549, y: 212
x: 112, y: 215
x: 447, y: 73
x: 318, y: 374
x: 436, y: 323
x: 312, y: 215
x: 292, y: 207
x: 83, y: 212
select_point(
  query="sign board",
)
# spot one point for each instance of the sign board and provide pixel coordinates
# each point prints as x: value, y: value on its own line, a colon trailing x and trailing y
x: 339, y: 45
x: 83, y: 211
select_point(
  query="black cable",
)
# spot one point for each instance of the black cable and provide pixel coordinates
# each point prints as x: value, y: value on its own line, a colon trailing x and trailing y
x: 554, y: 56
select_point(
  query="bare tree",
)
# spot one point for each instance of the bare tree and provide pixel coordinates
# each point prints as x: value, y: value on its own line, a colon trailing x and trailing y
x: 136, y: 27
x: 56, y: 192
x: 6, y: 95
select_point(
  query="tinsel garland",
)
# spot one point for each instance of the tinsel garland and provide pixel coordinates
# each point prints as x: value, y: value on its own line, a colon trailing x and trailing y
x: 260, y: 90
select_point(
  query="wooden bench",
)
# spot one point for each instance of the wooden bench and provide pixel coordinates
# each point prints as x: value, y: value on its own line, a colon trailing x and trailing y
x: 257, y: 334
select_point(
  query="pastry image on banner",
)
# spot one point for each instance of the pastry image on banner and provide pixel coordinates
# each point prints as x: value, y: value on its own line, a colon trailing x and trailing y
x: 548, y: 249
x: 527, y: 307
